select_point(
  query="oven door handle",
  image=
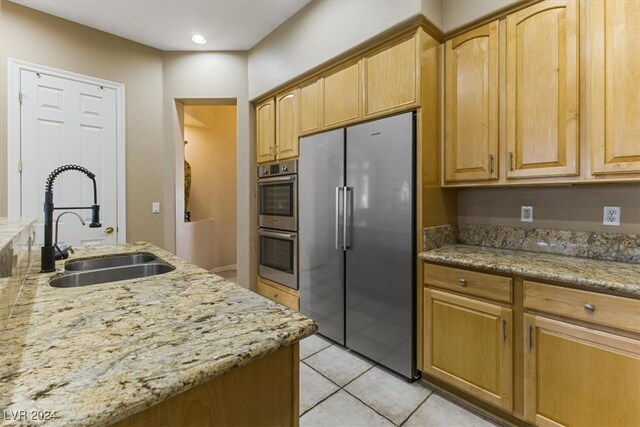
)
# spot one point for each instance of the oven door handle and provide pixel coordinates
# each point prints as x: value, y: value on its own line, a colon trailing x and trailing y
x: 286, y: 178
x: 278, y: 235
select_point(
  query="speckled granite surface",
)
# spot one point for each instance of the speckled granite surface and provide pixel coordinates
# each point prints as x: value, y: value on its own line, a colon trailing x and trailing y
x: 606, y: 246
x: 604, y: 276
x: 10, y: 228
x: 437, y: 237
x: 97, y: 354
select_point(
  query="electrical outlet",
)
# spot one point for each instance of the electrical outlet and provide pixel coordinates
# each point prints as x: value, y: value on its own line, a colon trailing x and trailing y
x: 155, y: 207
x: 526, y: 213
x: 611, y: 215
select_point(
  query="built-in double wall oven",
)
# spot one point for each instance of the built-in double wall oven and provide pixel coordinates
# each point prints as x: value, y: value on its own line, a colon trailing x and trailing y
x: 278, y: 222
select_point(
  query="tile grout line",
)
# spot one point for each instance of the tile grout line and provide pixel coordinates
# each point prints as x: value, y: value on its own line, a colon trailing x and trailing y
x: 373, y: 409
x: 313, y: 354
x: 416, y: 408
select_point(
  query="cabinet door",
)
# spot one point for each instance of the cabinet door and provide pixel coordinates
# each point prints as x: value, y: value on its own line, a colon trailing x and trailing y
x: 286, y: 125
x: 391, y: 78
x: 542, y: 90
x: 341, y: 96
x: 579, y: 377
x: 265, y: 131
x: 468, y: 343
x: 309, y: 107
x: 615, y: 75
x: 471, y: 105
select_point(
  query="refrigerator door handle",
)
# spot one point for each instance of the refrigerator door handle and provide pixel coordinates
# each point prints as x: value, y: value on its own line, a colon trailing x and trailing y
x: 338, y: 217
x: 346, y: 223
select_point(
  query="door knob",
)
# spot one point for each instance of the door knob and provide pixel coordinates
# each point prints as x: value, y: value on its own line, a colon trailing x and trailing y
x: 108, y: 230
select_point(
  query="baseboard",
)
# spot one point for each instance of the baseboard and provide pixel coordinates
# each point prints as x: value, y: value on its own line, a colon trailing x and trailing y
x: 224, y: 268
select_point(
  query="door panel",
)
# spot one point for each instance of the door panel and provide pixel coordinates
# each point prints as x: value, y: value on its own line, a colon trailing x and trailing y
x: 380, y: 261
x: 64, y: 121
x: 266, y: 131
x: 321, y: 263
x: 287, y: 125
x: 542, y: 90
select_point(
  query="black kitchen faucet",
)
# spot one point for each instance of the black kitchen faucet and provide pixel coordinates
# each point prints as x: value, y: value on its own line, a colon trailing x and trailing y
x: 47, y: 253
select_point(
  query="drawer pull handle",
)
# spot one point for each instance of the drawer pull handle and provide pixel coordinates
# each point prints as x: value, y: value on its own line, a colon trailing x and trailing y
x: 590, y: 307
x: 463, y: 282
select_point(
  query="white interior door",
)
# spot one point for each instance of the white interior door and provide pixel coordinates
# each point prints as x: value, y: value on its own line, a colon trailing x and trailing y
x: 64, y: 121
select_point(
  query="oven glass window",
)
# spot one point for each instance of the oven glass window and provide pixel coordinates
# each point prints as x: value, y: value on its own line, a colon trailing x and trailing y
x: 276, y: 253
x: 276, y: 199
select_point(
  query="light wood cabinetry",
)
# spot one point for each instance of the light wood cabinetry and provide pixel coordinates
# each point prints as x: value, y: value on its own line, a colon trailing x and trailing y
x: 542, y: 90
x: 614, y: 79
x: 576, y: 374
x: 471, y: 105
x: 279, y: 293
x: 469, y: 344
x: 341, y: 95
x: 579, y: 376
x: 261, y: 393
x: 391, y: 78
x: 309, y: 107
x: 286, y: 125
x: 266, y: 130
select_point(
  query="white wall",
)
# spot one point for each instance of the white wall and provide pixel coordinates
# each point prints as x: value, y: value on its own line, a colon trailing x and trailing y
x: 321, y: 31
x: 211, y: 75
x: 456, y: 13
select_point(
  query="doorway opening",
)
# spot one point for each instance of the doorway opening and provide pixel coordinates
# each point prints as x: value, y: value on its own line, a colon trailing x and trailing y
x: 206, y: 235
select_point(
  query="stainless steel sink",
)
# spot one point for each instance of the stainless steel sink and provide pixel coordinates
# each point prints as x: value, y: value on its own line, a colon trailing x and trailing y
x: 109, y: 262
x: 113, y: 274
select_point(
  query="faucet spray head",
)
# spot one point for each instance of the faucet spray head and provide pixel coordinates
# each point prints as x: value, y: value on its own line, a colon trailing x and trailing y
x: 95, y: 217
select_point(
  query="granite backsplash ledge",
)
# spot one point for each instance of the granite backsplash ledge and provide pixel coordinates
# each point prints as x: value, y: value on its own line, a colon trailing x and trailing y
x: 597, y: 245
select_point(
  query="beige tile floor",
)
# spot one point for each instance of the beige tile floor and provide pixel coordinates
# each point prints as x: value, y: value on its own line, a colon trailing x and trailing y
x: 230, y: 275
x: 339, y: 388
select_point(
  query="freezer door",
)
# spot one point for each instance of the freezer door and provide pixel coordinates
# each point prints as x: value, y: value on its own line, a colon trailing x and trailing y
x: 321, y: 258
x: 380, y: 261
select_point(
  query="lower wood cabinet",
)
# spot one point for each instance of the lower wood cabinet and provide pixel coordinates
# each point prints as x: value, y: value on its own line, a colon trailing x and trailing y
x: 578, y: 376
x: 469, y: 344
x: 279, y: 293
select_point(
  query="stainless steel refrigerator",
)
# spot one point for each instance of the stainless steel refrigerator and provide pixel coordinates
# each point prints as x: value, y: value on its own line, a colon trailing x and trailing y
x: 357, y: 238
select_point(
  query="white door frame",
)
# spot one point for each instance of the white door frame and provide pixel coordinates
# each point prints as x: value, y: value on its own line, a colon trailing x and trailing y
x: 13, y: 135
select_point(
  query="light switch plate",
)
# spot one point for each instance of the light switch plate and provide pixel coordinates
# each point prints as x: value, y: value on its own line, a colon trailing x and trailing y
x: 155, y: 207
x: 526, y: 213
x: 611, y: 215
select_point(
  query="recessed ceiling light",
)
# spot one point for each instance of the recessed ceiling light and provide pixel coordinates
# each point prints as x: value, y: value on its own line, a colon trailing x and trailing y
x: 197, y: 38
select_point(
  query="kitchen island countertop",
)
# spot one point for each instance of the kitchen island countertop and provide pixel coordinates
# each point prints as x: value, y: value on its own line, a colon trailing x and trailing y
x: 619, y: 278
x: 97, y: 354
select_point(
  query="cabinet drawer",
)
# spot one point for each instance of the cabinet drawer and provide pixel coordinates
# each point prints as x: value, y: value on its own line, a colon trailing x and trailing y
x: 468, y: 282
x: 278, y: 295
x: 607, y: 310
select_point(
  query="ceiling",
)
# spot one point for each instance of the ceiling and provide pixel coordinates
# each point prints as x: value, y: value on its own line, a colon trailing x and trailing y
x: 169, y: 24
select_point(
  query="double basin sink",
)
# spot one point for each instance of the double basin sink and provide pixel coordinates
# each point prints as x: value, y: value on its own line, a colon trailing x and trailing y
x: 107, y: 269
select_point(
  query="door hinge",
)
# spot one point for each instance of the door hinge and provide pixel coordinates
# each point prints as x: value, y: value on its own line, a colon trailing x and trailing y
x: 20, y: 166
x: 20, y: 97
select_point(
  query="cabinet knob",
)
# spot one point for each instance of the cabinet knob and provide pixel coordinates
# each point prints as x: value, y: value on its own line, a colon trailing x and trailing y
x: 463, y: 282
x: 590, y: 307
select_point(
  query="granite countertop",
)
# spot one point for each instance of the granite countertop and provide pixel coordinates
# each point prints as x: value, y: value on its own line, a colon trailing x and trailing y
x: 604, y: 276
x: 10, y: 228
x: 97, y: 354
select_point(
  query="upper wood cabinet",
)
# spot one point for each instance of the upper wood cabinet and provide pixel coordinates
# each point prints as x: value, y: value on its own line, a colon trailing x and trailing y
x: 309, y: 107
x: 341, y: 95
x: 471, y: 105
x: 266, y: 130
x: 614, y: 78
x: 286, y: 125
x: 542, y: 90
x: 391, y: 77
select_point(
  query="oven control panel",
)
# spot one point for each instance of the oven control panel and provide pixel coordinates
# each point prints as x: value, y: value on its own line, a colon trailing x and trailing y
x: 285, y: 167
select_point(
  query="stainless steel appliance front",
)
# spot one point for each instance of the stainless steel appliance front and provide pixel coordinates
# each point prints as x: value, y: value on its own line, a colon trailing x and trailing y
x: 278, y: 195
x: 357, y: 238
x: 279, y: 256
